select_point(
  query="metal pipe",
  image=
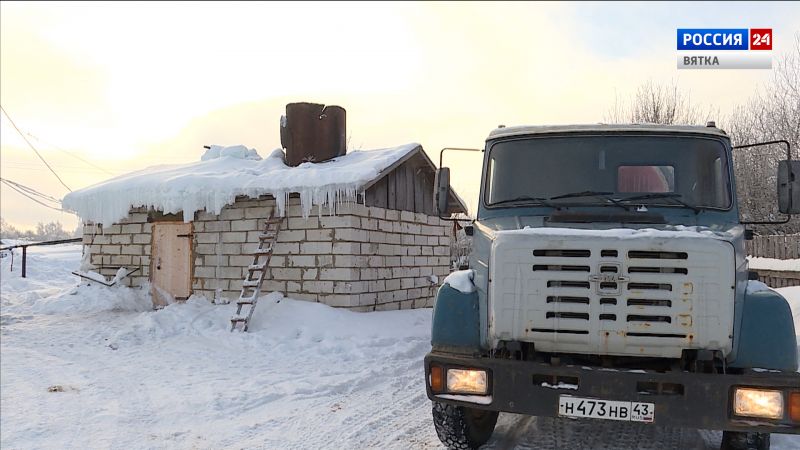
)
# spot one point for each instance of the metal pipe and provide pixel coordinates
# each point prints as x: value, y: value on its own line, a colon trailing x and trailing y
x: 34, y: 244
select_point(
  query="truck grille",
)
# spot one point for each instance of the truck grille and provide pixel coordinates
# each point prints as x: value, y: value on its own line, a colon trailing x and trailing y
x: 629, y: 300
x: 646, y: 310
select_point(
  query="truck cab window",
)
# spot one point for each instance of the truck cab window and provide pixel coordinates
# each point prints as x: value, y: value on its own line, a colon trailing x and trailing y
x: 693, y: 169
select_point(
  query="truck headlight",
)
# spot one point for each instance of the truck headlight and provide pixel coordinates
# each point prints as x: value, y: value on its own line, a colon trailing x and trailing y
x: 467, y: 381
x: 758, y: 403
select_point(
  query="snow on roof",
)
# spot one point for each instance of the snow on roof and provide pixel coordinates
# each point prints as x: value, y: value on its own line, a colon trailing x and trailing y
x: 228, y: 172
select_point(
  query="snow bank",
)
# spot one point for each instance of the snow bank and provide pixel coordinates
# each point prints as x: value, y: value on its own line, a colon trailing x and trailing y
x: 276, y: 318
x: 94, y: 298
x: 224, y: 174
x: 461, y: 280
x: 790, y: 265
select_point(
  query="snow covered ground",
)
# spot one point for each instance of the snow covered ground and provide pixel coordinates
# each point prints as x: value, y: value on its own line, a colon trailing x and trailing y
x: 773, y: 264
x: 93, y: 367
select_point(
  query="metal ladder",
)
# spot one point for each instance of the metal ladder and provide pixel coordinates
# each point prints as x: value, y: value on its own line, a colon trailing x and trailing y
x: 251, y: 286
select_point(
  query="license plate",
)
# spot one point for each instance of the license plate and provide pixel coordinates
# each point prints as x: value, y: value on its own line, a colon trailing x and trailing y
x: 606, y: 409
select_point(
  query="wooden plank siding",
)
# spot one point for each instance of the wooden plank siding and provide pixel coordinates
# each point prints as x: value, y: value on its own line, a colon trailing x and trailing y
x: 428, y: 180
x: 376, y: 195
x: 392, y: 191
x: 408, y: 187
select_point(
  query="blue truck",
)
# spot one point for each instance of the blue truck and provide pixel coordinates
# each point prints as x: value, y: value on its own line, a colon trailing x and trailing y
x: 608, y: 280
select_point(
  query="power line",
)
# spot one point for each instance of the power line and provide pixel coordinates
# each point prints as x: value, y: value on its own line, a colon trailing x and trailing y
x: 32, y: 198
x: 70, y: 154
x: 33, y: 148
x: 31, y: 190
x: 61, y: 168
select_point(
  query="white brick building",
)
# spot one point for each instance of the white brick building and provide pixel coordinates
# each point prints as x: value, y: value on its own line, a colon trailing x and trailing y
x: 387, y: 251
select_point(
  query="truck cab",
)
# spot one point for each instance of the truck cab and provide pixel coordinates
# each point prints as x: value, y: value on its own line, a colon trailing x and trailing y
x: 608, y: 279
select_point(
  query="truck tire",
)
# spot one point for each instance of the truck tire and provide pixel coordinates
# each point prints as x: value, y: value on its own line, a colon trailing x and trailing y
x: 738, y: 440
x: 463, y: 428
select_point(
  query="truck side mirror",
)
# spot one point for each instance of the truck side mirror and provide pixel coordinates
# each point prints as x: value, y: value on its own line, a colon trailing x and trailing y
x: 789, y: 187
x: 442, y: 192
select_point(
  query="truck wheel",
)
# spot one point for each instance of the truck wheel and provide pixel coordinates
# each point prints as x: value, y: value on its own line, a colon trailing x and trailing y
x: 463, y: 428
x: 738, y: 440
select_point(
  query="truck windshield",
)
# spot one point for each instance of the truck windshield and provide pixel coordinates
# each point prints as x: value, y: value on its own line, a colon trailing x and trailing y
x: 652, y: 170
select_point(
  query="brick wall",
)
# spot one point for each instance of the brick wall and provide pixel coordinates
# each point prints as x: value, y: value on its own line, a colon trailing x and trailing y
x: 125, y: 244
x: 364, y: 258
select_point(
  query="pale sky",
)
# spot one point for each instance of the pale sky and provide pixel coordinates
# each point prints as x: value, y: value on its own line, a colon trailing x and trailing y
x: 129, y: 85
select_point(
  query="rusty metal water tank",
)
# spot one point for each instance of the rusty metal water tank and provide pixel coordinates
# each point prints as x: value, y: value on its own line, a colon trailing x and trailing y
x: 313, y: 132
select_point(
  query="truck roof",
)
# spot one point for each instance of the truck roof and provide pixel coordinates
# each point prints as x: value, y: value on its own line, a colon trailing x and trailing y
x: 603, y: 128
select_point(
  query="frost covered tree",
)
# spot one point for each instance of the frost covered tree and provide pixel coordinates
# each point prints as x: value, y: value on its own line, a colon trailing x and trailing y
x: 51, y: 231
x: 772, y: 113
x: 7, y: 230
x: 664, y: 104
x: 44, y: 231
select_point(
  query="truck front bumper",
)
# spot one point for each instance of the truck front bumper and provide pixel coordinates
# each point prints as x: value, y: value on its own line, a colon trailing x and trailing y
x: 682, y: 399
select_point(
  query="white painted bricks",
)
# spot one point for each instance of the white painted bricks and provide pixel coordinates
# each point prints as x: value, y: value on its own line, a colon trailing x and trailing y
x: 364, y: 258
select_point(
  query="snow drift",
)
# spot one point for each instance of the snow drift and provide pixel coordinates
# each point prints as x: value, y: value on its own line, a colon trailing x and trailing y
x: 234, y: 151
x: 225, y: 173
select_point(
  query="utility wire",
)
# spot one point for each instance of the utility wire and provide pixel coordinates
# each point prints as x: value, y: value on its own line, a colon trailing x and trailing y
x: 32, y: 198
x: 70, y: 154
x: 33, y: 148
x: 31, y: 190
x: 82, y: 169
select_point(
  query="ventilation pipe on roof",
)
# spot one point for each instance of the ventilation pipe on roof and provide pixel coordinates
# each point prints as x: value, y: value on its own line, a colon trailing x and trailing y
x: 311, y: 132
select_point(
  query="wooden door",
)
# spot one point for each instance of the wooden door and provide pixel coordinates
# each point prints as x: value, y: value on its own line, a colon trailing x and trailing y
x: 170, y: 262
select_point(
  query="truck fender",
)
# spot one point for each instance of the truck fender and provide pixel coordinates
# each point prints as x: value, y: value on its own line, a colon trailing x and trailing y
x: 766, y: 338
x: 456, y: 321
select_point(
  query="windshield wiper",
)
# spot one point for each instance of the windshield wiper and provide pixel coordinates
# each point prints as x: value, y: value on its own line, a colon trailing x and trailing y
x: 599, y: 194
x: 526, y: 198
x: 674, y: 196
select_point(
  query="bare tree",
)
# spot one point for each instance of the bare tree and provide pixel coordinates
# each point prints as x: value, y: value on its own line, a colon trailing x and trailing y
x: 44, y: 231
x: 657, y: 103
x: 772, y: 113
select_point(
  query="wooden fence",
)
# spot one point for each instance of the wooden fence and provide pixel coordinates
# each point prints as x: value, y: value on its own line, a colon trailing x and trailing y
x: 785, y: 246
x: 776, y: 247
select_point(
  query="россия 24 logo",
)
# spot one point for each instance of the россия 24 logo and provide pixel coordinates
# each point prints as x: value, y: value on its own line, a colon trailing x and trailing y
x: 724, y: 39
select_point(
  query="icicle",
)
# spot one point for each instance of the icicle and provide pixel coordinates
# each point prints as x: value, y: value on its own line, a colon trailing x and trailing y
x: 213, y: 184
